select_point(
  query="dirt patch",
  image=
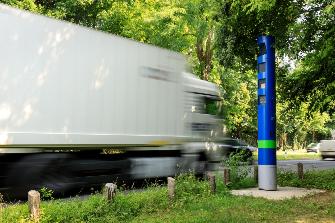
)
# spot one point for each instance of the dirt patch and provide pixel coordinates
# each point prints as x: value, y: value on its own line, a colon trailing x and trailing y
x: 325, y: 197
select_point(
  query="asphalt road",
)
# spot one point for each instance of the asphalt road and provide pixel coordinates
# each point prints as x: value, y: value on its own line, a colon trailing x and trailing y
x: 291, y: 165
x: 308, y: 164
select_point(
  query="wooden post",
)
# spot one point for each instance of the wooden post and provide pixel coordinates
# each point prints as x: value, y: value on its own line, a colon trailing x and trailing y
x: 2, y: 205
x: 34, y: 200
x: 226, y: 176
x: 110, y: 191
x: 205, y: 175
x: 256, y: 173
x: 171, y: 188
x: 211, y: 178
x: 1, y: 202
x: 300, y: 171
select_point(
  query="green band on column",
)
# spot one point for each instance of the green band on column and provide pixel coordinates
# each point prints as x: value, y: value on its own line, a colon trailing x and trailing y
x: 267, y: 144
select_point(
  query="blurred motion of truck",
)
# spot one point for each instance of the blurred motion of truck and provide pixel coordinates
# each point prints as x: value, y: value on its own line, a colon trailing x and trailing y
x: 327, y: 149
x: 229, y: 146
x: 68, y: 93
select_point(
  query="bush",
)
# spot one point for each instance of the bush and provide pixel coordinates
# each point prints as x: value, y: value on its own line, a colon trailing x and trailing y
x: 188, y: 187
x: 46, y: 194
x: 239, y: 171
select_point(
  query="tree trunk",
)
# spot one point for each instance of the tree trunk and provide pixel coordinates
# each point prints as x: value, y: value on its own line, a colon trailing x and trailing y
x: 204, y: 49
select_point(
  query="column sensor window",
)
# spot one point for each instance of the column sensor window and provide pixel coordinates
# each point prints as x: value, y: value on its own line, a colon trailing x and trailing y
x: 261, y: 83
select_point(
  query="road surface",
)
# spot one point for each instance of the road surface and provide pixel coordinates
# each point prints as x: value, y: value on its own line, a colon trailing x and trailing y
x: 308, y: 164
x: 291, y: 165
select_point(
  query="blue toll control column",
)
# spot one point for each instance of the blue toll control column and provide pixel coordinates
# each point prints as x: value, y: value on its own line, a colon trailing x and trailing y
x: 267, y: 163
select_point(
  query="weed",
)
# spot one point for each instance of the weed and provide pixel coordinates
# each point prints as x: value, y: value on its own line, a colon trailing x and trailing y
x: 46, y: 194
x: 188, y: 187
x: 1, y: 204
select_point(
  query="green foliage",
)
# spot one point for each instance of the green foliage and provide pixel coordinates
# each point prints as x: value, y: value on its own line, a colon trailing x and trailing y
x: 152, y: 205
x: 125, y: 207
x: 243, y: 21
x: 46, y: 194
x: 313, y: 49
x: 324, y: 179
x: 298, y: 126
x: 238, y: 102
x: 131, y: 205
x: 24, y: 4
x: 304, y: 34
x: 239, y: 170
x: 193, y: 203
x: 189, y: 188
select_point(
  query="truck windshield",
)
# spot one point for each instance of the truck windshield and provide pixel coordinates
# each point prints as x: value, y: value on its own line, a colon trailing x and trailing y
x: 211, y: 106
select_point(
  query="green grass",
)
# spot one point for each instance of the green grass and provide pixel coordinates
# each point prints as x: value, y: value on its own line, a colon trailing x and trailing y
x: 152, y: 206
x: 193, y: 203
x: 307, y: 156
x: 323, y: 179
x: 292, y: 155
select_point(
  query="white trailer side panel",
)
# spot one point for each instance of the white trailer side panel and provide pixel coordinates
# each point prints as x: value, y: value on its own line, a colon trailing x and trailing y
x: 64, y: 84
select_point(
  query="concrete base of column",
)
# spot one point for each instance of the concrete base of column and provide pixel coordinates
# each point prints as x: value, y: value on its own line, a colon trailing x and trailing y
x: 267, y: 177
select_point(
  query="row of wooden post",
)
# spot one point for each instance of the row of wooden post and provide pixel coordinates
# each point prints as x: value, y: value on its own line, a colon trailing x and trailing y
x: 226, y: 179
x: 34, y: 198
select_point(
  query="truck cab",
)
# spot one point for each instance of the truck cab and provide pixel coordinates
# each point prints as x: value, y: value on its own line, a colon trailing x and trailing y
x: 201, y: 106
x: 202, y: 124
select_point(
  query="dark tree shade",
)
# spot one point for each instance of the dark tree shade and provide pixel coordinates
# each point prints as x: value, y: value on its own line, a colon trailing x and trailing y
x: 240, y: 28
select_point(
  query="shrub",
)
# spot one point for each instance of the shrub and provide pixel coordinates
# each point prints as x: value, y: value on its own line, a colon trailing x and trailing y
x: 188, y: 187
x: 239, y: 170
x: 46, y: 194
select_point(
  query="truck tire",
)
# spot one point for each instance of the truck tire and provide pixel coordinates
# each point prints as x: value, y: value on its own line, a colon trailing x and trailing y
x: 36, y: 171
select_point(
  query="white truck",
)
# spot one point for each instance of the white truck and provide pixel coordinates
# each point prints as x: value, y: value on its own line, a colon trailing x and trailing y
x: 68, y: 92
x: 327, y: 149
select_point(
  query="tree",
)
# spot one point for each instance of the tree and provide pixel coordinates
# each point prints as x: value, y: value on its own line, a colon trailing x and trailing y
x: 242, y: 21
x: 314, y: 78
x: 24, y: 4
x: 305, y: 35
x: 240, y: 104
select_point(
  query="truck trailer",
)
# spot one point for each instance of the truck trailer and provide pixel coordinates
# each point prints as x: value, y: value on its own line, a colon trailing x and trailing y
x: 76, y: 101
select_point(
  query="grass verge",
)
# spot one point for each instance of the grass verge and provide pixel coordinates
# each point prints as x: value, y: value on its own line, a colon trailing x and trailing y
x: 322, y: 179
x: 193, y: 203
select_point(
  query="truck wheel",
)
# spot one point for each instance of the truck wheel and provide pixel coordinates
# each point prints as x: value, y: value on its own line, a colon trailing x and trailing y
x: 323, y: 157
x: 36, y: 171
